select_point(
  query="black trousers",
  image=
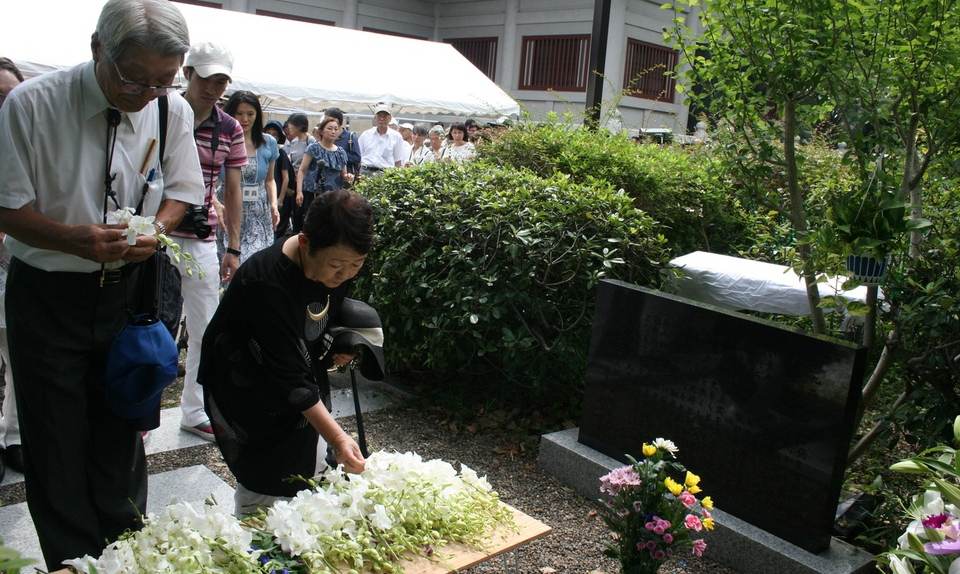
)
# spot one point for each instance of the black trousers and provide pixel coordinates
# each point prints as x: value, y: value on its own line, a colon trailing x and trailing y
x: 286, y: 212
x: 301, y: 212
x: 85, y: 468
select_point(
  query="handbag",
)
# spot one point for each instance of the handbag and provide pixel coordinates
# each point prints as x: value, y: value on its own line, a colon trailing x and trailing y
x: 142, y: 359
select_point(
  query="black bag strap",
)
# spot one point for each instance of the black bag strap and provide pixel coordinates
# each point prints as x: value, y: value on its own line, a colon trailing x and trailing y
x: 162, y: 106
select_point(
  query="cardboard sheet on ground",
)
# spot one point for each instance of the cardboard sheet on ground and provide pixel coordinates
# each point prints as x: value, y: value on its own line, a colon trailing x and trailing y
x: 423, y: 77
x: 742, y: 284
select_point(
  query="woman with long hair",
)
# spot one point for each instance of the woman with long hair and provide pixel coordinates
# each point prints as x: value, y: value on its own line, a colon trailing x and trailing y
x: 260, y: 215
x: 324, y: 166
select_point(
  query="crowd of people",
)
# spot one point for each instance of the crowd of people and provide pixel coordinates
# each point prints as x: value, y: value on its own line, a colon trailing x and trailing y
x: 264, y: 209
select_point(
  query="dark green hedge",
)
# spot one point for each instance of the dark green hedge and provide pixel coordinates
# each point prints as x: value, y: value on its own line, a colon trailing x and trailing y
x: 487, y: 274
x: 681, y: 188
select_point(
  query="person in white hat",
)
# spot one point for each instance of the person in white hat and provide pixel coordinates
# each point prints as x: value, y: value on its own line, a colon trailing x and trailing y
x: 380, y: 147
x: 220, y: 145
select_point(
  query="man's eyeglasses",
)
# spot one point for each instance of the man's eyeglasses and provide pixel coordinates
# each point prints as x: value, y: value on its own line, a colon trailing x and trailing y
x: 136, y: 88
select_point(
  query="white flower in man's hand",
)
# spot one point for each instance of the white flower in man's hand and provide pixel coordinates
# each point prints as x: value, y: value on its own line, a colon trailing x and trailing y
x: 139, y: 225
x: 121, y: 216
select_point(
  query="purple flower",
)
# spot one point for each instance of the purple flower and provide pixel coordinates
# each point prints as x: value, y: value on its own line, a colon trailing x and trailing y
x: 619, y: 479
x: 659, y: 555
x: 650, y: 525
x: 668, y: 538
x: 941, y: 548
x: 651, y: 545
x: 935, y: 521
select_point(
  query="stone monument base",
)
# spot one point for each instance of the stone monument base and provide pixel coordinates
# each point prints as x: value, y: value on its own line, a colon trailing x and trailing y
x: 734, y: 543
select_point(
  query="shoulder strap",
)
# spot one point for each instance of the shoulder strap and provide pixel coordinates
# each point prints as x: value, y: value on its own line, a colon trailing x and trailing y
x: 162, y: 113
x: 163, y: 105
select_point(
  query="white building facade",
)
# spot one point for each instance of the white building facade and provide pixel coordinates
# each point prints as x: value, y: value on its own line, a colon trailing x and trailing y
x: 536, y: 50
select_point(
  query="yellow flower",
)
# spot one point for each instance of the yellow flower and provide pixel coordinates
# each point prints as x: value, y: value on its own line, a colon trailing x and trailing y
x: 707, y: 503
x: 707, y: 523
x: 649, y: 449
x: 691, y: 480
x: 694, y: 489
x: 673, y: 486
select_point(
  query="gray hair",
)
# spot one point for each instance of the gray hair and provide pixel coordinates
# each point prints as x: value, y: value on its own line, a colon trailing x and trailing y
x: 421, y: 129
x: 438, y: 129
x: 156, y: 25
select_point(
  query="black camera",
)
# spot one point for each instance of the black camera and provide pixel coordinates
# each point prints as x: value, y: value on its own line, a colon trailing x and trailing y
x: 196, y: 221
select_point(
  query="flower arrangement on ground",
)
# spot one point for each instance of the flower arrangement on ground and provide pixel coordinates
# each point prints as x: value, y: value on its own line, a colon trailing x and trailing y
x: 399, y: 507
x: 932, y: 539
x: 653, y: 510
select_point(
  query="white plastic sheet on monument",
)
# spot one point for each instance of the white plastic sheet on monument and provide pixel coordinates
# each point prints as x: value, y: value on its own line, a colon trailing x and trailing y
x: 333, y: 66
x: 742, y: 284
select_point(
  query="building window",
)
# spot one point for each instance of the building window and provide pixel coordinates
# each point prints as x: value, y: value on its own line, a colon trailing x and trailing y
x: 646, y: 74
x: 200, y: 3
x: 392, y: 33
x: 555, y: 63
x: 482, y: 53
x: 295, y: 17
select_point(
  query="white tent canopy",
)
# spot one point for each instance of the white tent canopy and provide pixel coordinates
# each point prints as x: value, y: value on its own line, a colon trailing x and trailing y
x: 349, y: 69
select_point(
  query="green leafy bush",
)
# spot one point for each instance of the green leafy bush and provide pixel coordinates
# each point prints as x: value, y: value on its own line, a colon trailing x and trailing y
x: 488, y: 273
x: 676, y: 186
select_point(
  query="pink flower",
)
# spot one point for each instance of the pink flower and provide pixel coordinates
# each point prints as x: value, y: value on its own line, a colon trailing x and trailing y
x: 665, y: 524
x: 698, y: 547
x: 935, y: 521
x: 619, y: 479
x: 668, y: 538
x: 650, y: 525
x: 659, y: 555
x: 651, y: 545
x: 687, y: 499
x: 693, y: 523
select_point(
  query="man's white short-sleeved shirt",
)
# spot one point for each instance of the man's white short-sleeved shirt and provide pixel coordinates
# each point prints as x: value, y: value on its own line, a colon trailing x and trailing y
x: 53, y: 150
x: 381, y: 150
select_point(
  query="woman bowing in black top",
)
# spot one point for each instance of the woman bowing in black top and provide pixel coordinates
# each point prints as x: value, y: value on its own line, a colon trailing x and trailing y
x: 267, y: 350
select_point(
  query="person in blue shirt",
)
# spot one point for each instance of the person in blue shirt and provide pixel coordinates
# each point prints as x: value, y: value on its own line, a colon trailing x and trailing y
x: 347, y: 140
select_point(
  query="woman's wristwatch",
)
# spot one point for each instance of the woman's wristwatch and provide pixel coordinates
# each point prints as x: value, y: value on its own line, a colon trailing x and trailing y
x: 233, y: 251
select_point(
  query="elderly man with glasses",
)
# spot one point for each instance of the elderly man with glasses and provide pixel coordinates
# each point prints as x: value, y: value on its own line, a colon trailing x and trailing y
x: 73, y: 277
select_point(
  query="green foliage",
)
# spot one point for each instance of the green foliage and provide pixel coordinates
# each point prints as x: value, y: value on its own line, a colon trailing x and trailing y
x: 677, y: 187
x: 11, y: 560
x: 488, y: 273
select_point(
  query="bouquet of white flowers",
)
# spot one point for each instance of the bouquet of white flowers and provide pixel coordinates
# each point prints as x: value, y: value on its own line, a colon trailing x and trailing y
x: 400, y: 506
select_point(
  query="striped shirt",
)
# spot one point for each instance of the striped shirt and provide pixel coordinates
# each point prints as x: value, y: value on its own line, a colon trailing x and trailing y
x: 230, y: 152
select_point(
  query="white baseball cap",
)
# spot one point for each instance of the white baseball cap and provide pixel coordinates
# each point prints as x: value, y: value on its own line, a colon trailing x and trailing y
x: 208, y: 59
x: 407, y: 125
x: 382, y: 107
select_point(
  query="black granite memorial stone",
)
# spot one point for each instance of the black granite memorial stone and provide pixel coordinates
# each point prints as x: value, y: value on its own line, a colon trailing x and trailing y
x: 764, y: 414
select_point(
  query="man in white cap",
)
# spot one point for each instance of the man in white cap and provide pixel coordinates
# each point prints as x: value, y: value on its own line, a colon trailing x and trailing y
x: 220, y: 144
x: 380, y: 147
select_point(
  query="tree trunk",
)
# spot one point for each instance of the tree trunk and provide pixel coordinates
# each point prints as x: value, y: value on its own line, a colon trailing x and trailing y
x: 870, y: 321
x: 907, y: 189
x: 798, y: 215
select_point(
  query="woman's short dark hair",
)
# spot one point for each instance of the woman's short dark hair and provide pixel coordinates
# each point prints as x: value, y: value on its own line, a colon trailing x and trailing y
x: 245, y: 97
x: 299, y: 121
x: 339, y: 217
x: 8, y: 65
x: 462, y: 128
x: 334, y: 113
